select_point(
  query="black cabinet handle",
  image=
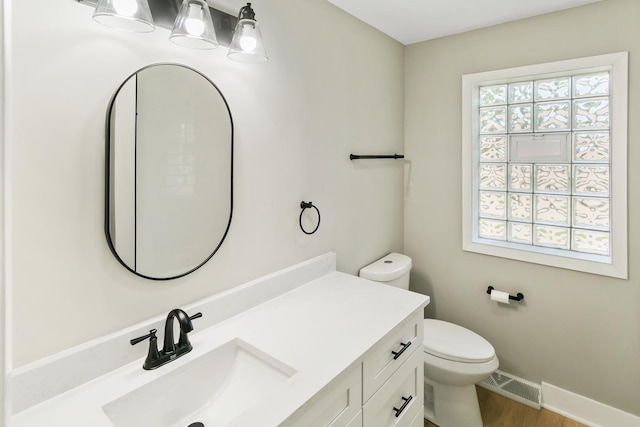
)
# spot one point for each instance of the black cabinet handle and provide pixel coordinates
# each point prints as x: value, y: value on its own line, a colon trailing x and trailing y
x: 407, y: 400
x: 397, y: 354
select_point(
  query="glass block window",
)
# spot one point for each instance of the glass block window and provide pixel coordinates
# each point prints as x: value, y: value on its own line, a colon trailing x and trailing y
x: 540, y: 151
x: 560, y: 205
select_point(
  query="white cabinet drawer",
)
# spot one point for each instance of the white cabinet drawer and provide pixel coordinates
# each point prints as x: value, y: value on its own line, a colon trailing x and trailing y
x: 337, y: 405
x: 357, y: 421
x: 387, y: 356
x: 400, y: 398
x: 418, y: 420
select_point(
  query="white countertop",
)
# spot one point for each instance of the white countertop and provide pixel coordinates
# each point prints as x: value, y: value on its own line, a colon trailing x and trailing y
x: 319, y: 329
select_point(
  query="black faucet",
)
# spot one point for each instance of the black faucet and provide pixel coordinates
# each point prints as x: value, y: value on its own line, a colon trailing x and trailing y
x: 171, y: 350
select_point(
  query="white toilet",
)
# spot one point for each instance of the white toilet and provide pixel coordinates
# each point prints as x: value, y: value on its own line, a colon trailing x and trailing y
x: 455, y: 358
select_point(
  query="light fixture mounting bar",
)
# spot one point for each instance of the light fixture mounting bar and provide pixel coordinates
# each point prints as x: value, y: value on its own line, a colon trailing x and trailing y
x: 164, y: 14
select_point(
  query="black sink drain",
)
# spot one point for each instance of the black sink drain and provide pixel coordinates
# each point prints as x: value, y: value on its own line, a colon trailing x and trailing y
x: 196, y: 424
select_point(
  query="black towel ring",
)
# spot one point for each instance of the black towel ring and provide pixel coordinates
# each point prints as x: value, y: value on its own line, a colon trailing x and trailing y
x: 304, y: 205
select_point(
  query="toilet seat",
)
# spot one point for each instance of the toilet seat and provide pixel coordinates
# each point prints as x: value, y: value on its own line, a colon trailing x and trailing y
x: 452, y: 342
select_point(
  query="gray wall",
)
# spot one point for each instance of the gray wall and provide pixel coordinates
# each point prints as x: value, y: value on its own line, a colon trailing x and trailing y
x: 576, y: 331
x: 3, y: 229
x: 333, y: 85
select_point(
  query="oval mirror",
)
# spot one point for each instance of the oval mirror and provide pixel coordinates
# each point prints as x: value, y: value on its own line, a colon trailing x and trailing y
x: 169, y: 171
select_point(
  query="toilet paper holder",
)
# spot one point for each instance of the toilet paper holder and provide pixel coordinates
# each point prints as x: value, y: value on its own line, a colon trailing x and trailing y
x: 518, y: 297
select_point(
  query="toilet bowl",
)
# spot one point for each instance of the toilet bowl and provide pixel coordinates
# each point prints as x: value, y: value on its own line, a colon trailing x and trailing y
x: 455, y: 358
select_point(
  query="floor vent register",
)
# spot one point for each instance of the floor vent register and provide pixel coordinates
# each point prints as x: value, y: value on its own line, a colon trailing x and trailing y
x: 515, y: 388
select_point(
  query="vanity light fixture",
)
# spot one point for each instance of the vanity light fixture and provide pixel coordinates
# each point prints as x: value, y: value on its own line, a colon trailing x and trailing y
x: 193, y: 27
x: 129, y: 15
x: 193, y: 23
x: 247, y: 45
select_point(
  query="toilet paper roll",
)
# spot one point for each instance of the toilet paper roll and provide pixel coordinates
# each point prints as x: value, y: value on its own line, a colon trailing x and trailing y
x: 500, y: 296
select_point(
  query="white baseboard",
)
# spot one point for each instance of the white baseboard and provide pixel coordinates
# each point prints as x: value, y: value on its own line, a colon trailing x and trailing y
x: 584, y: 410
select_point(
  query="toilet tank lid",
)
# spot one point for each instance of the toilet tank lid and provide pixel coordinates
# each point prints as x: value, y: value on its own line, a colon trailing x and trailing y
x: 453, y: 342
x: 387, y: 268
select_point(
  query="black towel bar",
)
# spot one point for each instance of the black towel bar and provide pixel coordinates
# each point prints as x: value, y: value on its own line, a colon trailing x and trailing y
x: 381, y: 156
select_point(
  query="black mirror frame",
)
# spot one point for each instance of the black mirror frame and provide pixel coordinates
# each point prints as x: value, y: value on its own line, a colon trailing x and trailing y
x: 108, y: 175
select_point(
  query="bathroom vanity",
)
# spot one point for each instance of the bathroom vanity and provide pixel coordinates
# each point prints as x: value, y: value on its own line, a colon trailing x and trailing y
x: 306, y: 346
x: 380, y: 390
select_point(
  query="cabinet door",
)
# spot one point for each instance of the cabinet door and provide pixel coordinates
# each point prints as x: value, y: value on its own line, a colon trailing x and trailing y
x: 389, y: 354
x: 337, y: 405
x: 400, y: 398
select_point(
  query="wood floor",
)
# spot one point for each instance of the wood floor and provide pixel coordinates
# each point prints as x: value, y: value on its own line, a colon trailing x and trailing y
x: 499, y: 411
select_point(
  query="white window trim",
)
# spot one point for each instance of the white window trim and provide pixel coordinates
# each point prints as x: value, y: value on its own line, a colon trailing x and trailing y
x: 617, y: 65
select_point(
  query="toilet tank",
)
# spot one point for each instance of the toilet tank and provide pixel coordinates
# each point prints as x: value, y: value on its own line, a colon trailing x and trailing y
x: 392, y: 269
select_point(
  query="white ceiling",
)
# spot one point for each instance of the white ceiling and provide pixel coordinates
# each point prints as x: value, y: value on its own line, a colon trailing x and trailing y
x: 412, y: 21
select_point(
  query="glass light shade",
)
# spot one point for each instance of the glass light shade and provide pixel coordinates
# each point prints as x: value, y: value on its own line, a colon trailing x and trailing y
x: 128, y: 15
x: 247, y: 45
x: 193, y: 26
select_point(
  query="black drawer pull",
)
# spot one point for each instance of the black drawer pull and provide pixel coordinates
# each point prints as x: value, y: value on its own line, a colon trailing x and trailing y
x: 407, y: 400
x: 397, y: 354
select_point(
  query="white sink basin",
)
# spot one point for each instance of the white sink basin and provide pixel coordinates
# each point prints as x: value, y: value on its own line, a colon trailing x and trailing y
x: 212, y: 389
